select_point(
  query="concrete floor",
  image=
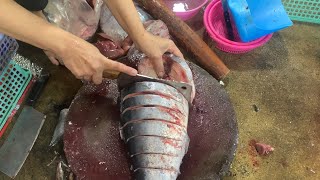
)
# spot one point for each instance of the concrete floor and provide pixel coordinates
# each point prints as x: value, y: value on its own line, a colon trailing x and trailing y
x: 282, y: 79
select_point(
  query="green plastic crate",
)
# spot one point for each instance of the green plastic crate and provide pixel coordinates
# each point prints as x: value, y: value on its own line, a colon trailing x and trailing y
x: 13, y: 82
x: 303, y: 10
x: 13, y: 79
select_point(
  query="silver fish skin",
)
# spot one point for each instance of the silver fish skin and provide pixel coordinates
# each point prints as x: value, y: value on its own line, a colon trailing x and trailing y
x: 154, y: 119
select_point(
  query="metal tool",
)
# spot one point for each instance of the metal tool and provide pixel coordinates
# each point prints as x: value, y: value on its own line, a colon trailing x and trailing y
x: 110, y: 74
x: 37, y: 88
x: 18, y: 145
x: 125, y: 80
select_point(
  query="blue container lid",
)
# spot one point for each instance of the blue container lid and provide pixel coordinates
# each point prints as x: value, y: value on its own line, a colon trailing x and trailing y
x: 257, y: 18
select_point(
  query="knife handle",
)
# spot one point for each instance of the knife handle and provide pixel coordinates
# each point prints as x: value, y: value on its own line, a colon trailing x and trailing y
x: 37, y: 89
x: 110, y: 74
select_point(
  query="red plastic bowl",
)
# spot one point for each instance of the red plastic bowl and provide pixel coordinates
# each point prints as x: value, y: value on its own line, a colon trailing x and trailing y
x: 215, y: 25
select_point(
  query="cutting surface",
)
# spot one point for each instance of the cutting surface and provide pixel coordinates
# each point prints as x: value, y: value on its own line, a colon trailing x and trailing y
x: 94, y: 149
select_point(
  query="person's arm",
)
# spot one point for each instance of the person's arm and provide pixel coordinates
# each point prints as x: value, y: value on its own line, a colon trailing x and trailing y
x: 19, y: 23
x: 154, y: 47
x: 80, y: 57
x: 52, y: 57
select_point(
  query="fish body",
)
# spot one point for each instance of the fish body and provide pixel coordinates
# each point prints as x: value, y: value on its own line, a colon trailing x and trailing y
x: 58, y: 132
x: 154, y: 116
x: 154, y: 127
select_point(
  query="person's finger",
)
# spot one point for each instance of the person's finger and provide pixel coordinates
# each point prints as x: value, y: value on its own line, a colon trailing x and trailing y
x: 116, y: 66
x: 53, y: 60
x: 97, y: 77
x: 158, y: 66
x: 88, y: 72
x: 174, y: 50
x: 76, y: 70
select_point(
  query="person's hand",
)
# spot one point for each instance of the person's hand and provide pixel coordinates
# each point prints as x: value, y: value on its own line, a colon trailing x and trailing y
x: 80, y: 57
x: 154, y: 47
x: 86, y: 62
x: 52, y: 57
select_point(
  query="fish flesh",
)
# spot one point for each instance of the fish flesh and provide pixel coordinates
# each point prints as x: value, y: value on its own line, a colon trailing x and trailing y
x: 114, y: 42
x: 263, y: 149
x: 111, y: 48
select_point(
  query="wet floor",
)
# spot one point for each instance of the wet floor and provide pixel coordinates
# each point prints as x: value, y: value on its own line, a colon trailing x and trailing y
x: 276, y: 94
x: 282, y: 79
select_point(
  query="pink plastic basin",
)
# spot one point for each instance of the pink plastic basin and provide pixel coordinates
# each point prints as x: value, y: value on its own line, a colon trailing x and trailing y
x: 215, y: 25
x: 194, y: 7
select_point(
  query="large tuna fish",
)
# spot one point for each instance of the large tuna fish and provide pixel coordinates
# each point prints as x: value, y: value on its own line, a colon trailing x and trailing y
x: 154, y: 116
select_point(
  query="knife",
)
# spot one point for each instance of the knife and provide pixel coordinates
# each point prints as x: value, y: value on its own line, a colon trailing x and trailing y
x: 185, y: 89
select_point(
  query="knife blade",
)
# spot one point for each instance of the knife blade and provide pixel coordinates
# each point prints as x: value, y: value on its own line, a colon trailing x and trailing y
x: 185, y: 89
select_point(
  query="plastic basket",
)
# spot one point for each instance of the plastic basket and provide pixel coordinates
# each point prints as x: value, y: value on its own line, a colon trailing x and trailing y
x: 215, y: 25
x: 8, y: 47
x: 303, y: 10
x: 13, y: 79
